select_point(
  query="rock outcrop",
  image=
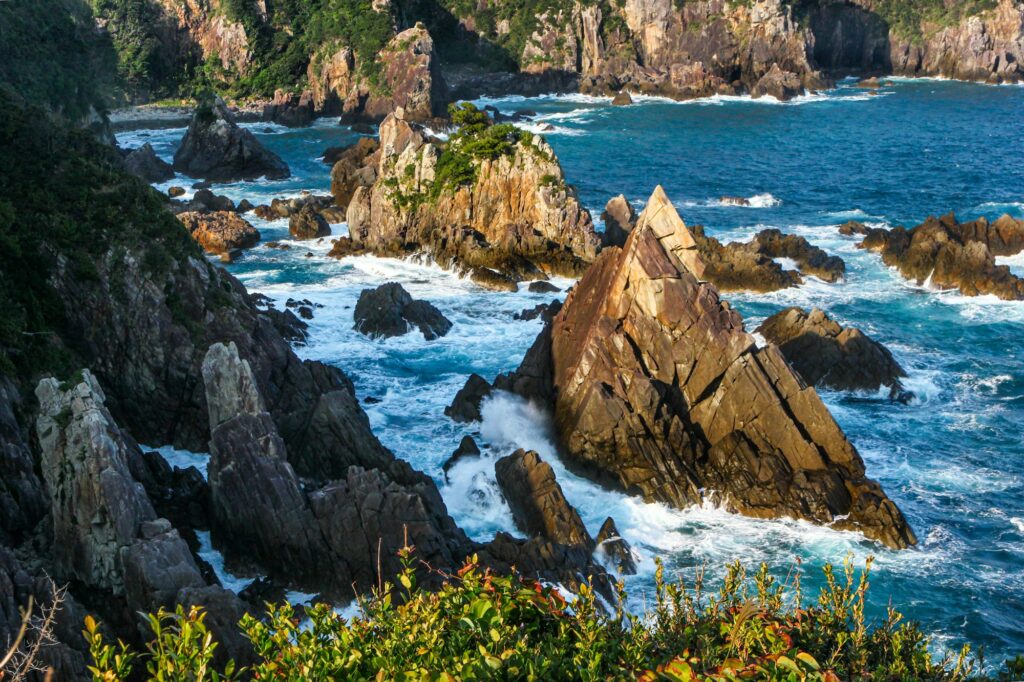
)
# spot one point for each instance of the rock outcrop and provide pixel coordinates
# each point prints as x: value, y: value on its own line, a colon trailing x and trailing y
x: 409, y: 77
x: 829, y: 355
x: 657, y: 389
x: 215, y: 148
x: 220, y: 232
x: 537, y: 502
x: 465, y: 406
x: 615, y: 548
x: 389, y: 310
x: 351, y: 170
x: 946, y: 254
x: 143, y: 163
x: 291, y: 109
x: 307, y: 223
x: 619, y: 219
x: 515, y: 219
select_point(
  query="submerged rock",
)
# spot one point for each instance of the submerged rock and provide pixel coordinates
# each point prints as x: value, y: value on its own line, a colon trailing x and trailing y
x: 220, y: 232
x: 542, y: 287
x: 215, y: 148
x: 143, y: 163
x: 809, y: 258
x: 946, y: 254
x: 657, y: 389
x: 389, y: 310
x: 537, y: 502
x: 829, y: 355
x: 616, y: 548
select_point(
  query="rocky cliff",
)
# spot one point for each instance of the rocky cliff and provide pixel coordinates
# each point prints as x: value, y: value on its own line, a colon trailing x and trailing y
x: 657, y: 389
x: 492, y: 203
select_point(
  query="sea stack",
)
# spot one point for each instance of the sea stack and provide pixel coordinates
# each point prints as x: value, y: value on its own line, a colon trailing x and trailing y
x: 659, y: 390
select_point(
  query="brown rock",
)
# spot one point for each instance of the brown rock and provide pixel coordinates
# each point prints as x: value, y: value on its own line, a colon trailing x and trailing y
x: 537, y: 502
x: 658, y: 389
x: 351, y: 171
x: 622, y: 99
x: 220, y: 232
x: 175, y: 191
x: 308, y: 224
x: 951, y: 255
x: 831, y: 356
x: 619, y: 218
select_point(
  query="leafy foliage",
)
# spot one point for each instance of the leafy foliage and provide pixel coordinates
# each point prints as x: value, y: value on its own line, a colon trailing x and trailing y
x: 66, y: 203
x: 479, y: 625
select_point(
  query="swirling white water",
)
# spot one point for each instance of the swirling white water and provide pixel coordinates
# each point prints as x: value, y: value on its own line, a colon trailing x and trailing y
x: 953, y: 459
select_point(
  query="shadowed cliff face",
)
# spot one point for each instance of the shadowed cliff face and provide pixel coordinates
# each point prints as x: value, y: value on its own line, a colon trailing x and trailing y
x: 659, y: 390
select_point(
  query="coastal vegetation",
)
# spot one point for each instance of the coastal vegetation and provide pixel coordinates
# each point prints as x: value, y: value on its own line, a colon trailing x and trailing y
x: 479, y: 625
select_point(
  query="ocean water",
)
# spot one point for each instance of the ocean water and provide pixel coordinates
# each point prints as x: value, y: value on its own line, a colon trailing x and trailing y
x: 953, y: 459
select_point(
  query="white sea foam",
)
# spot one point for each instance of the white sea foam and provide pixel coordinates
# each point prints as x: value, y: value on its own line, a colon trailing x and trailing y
x: 182, y: 459
x: 213, y: 557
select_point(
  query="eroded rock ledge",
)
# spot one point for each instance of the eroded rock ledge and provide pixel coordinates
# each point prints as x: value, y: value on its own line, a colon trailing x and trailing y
x: 515, y: 218
x: 658, y: 389
x: 947, y: 254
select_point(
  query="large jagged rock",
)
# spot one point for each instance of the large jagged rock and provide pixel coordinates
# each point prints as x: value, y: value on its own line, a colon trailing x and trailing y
x: 389, y: 310
x: 615, y: 547
x: 517, y: 219
x: 829, y: 355
x: 943, y: 253
x: 537, y: 502
x: 326, y: 540
x: 220, y: 232
x: 465, y: 406
x: 308, y: 224
x: 23, y: 498
x: 409, y: 77
x: 215, y: 148
x: 143, y: 163
x: 657, y: 389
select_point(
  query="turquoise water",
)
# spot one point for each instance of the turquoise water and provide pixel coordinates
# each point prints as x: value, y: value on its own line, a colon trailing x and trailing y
x: 953, y: 459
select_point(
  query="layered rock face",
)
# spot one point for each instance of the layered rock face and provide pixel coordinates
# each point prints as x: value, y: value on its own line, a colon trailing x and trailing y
x: 517, y: 219
x: 216, y: 148
x: 944, y: 253
x: 658, y: 389
x: 829, y: 355
x: 693, y: 50
x: 410, y: 78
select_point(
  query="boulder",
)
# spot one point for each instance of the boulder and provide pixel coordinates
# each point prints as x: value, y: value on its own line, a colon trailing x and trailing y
x: 389, y: 311
x: 542, y: 287
x: 947, y: 254
x: 206, y: 200
x: 220, y: 232
x: 467, y: 448
x: 829, y: 355
x: 657, y: 389
x: 308, y: 224
x: 144, y: 164
x: 537, y: 502
x: 734, y: 201
x: 465, y: 406
x: 619, y: 218
x: 853, y: 227
x: 175, y: 191
x: 215, y: 148
x: 622, y: 99
x: 782, y: 85
x: 615, y: 548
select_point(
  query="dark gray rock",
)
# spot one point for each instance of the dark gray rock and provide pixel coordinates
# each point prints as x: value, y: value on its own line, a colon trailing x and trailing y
x: 308, y: 224
x: 542, y: 287
x: 389, y: 311
x: 143, y: 163
x: 615, y: 548
x: 215, y: 148
x: 465, y: 406
x: 467, y: 448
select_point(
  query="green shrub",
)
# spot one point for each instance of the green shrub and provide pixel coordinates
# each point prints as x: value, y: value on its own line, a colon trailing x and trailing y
x: 481, y: 626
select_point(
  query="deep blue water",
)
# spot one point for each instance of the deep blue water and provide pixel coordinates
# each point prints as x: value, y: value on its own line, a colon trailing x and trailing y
x: 953, y: 459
